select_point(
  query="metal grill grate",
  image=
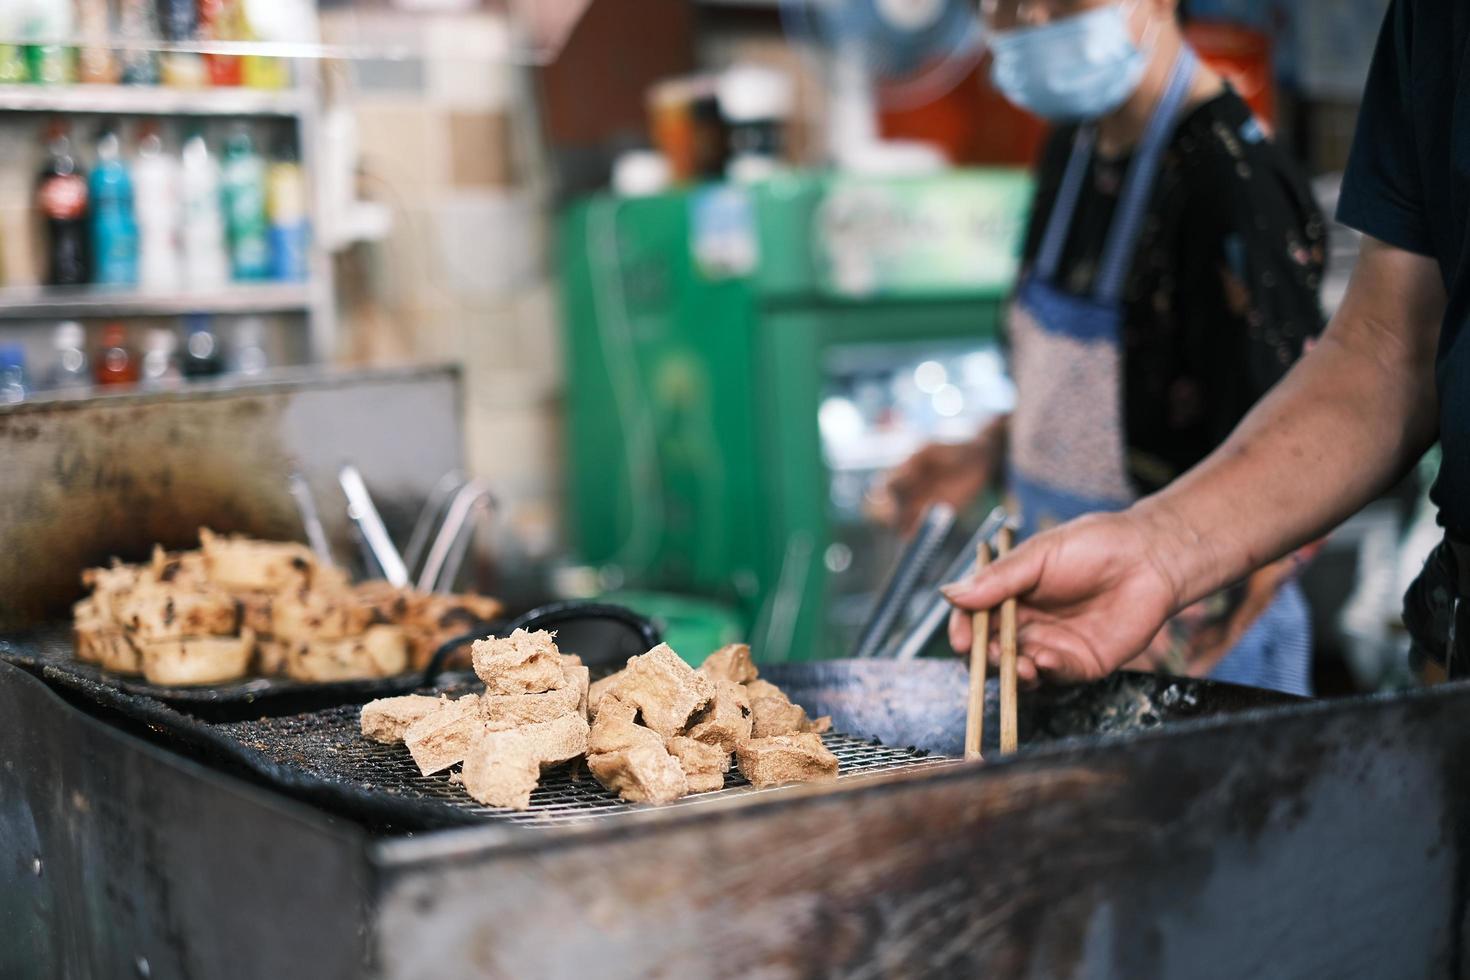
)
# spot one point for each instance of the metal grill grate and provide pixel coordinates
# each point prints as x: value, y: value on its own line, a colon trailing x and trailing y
x: 328, y: 746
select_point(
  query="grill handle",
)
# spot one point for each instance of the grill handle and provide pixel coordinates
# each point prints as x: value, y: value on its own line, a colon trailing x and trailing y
x: 546, y: 617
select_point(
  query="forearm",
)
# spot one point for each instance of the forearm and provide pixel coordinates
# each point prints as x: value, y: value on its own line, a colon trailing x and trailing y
x: 1342, y: 427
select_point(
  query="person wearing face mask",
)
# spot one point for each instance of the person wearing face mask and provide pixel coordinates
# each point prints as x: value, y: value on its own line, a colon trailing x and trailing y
x: 1170, y: 278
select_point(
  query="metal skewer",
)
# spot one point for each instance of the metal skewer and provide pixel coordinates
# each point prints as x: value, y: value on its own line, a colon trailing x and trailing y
x: 979, y: 651
x: 1007, y: 658
x: 365, y: 515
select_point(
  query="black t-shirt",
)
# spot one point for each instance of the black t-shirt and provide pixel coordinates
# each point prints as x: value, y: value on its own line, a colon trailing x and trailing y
x: 1223, y: 290
x: 1408, y: 184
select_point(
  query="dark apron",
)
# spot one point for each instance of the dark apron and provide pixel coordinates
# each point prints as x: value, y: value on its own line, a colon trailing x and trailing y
x: 1067, y: 439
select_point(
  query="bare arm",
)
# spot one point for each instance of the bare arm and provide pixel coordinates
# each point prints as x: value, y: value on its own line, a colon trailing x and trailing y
x: 1341, y: 427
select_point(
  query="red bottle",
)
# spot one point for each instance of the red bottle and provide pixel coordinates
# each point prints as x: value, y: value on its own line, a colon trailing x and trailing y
x: 61, y: 197
x: 116, y: 365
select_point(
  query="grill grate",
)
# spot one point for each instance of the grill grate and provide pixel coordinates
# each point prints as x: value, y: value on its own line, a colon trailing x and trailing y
x: 328, y: 746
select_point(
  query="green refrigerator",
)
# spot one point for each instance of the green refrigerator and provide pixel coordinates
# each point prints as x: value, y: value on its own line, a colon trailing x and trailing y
x: 745, y: 362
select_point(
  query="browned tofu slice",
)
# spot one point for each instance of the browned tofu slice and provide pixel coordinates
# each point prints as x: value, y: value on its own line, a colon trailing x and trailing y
x: 197, y: 660
x: 111, y: 584
x: 522, y: 663
x: 302, y: 614
x: 444, y: 736
x: 107, y: 646
x: 502, y: 768
x: 665, y: 690
x: 244, y: 564
x: 378, y: 652
x: 387, y: 719
x: 726, y: 721
x: 645, y: 773
x: 182, y: 568
x: 164, y: 612
x: 772, y: 713
x: 730, y: 663
x: 255, y: 611
x: 502, y: 711
x: 704, y: 765
x: 795, y: 758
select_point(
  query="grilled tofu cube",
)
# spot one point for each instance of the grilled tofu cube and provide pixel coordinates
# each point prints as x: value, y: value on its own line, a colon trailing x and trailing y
x: 197, y: 660
x: 645, y: 773
x: 795, y: 758
x: 443, y: 737
x: 378, y: 652
x: 522, y: 663
x: 502, y: 768
x: 726, y: 721
x: 704, y: 765
x: 730, y: 663
x: 387, y: 719
x: 665, y: 690
x: 153, y: 612
x: 244, y: 564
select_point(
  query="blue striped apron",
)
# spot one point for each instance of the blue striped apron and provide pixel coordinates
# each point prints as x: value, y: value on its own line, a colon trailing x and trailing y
x: 1068, y: 455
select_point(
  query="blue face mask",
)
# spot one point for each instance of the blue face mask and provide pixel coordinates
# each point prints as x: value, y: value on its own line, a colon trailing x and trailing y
x: 1080, y: 67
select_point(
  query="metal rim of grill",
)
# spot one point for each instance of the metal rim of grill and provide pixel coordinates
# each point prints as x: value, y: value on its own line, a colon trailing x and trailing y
x: 328, y: 746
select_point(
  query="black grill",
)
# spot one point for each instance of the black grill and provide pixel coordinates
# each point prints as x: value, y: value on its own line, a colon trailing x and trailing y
x: 327, y: 746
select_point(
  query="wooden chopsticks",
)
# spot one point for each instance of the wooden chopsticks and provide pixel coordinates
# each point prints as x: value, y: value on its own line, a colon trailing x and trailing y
x: 979, y: 649
x: 979, y: 642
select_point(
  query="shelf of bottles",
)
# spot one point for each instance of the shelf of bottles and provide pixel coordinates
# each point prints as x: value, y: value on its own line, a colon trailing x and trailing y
x: 155, y: 220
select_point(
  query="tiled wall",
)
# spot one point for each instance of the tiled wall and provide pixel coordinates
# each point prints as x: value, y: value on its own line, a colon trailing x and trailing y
x: 462, y: 276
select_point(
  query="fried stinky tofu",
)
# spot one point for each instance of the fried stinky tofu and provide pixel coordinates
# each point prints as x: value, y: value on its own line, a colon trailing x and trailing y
x: 726, y: 721
x: 162, y: 612
x: 522, y: 663
x: 645, y: 773
x: 665, y: 690
x: 303, y: 614
x: 187, y: 661
x: 387, y: 719
x: 502, y: 768
x: 796, y: 758
x: 378, y: 652
x: 443, y: 736
x: 731, y: 663
x: 244, y: 564
x: 501, y: 711
x: 704, y: 765
x: 772, y: 712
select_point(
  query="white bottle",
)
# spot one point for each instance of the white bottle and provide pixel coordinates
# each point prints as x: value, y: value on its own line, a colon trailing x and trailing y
x: 160, y: 367
x: 156, y: 203
x: 206, y: 264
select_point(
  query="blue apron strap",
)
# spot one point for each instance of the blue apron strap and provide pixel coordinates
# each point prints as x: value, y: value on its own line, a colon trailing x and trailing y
x: 1117, y: 256
x: 1068, y: 194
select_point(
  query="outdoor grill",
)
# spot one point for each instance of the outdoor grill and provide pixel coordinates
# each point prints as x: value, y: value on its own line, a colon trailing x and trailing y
x: 1148, y: 828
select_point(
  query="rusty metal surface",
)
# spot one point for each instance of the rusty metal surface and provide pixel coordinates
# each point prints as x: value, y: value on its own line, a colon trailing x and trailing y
x: 1326, y: 841
x: 121, y: 859
x: 84, y: 480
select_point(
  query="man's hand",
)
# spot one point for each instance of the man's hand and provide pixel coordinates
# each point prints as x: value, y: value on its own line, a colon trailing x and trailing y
x: 1093, y: 594
x: 950, y: 473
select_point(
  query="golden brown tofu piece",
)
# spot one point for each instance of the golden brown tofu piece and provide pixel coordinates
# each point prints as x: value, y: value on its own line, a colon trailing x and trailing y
x: 730, y: 663
x: 107, y: 646
x: 301, y: 615
x: 164, y: 612
x: 616, y: 730
x: 502, y: 711
x: 255, y: 611
x: 387, y: 719
x: 797, y: 758
x: 197, y: 660
x: 181, y: 568
x: 444, y: 736
x: 704, y: 765
x: 502, y: 768
x: 726, y: 721
x: 665, y: 690
x: 244, y: 564
x: 772, y: 713
x: 600, y: 689
x: 378, y: 652
x: 645, y: 773
x: 271, y: 655
x: 111, y: 584
x: 522, y: 663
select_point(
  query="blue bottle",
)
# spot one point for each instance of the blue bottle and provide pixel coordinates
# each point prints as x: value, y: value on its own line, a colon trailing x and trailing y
x: 113, y: 224
x: 14, y: 385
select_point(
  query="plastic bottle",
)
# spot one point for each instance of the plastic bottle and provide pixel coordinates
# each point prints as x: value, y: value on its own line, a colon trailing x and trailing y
x: 202, y: 355
x: 222, y: 20
x: 180, y: 23
x: 116, y: 364
x: 47, y: 21
x: 61, y: 197
x: 201, y: 229
x: 137, y: 21
x: 69, y: 370
x: 243, y: 181
x: 114, y: 228
x: 247, y: 352
x: 156, y: 196
x: 290, y: 231
x: 96, y: 64
x: 14, y: 385
x: 160, y: 366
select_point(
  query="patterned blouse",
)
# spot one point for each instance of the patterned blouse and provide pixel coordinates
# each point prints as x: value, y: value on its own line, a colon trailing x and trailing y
x: 1221, y: 299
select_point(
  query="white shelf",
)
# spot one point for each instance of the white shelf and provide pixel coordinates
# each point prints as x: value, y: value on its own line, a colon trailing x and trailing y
x: 152, y: 100
x: 107, y: 301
